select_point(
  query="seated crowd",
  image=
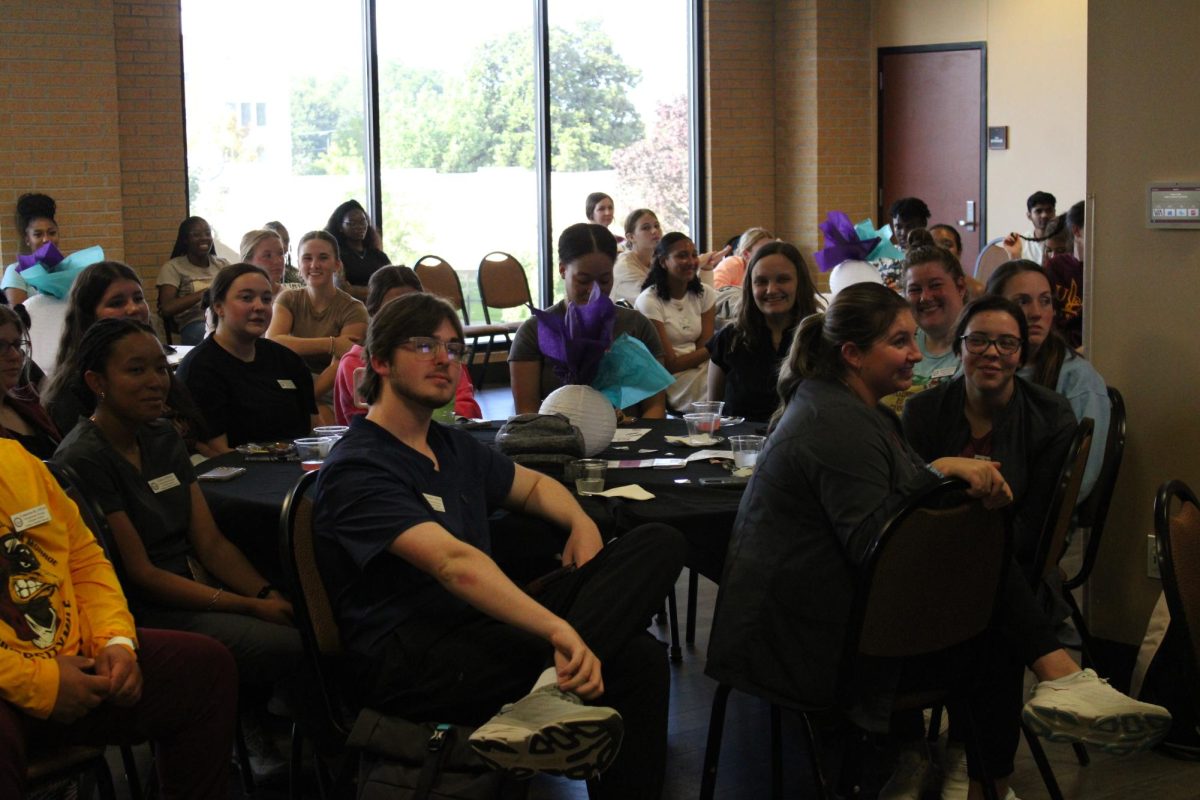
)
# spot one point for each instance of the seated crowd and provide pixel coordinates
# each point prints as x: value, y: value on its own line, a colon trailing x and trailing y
x: 987, y: 380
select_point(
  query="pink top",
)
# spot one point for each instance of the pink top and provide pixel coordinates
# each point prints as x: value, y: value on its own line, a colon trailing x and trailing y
x: 343, y: 390
x: 729, y: 272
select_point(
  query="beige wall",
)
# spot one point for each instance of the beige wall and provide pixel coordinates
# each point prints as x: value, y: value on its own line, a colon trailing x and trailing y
x: 1140, y: 283
x: 1037, y: 61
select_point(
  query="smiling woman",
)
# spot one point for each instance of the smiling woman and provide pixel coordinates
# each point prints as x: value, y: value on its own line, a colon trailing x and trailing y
x: 320, y: 323
x: 248, y: 388
x: 183, y: 279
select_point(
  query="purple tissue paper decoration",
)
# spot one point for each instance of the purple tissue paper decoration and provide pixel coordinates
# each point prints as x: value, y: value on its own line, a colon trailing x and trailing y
x: 576, y: 342
x: 841, y: 242
x: 47, y: 254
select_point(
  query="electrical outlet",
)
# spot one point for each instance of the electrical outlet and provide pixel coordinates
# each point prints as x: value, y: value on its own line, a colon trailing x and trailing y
x: 1152, y: 557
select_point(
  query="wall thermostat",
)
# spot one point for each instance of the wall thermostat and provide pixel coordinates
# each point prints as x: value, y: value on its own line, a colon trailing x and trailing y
x: 1173, y: 205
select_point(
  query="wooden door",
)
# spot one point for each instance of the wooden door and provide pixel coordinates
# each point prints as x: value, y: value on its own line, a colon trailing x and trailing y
x: 932, y: 135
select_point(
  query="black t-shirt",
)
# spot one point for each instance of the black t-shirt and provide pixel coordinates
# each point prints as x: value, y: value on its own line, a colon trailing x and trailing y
x: 750, y: 375
x: 371, y: 489
x: 157, y: 499
x: 360, y: 268
x: 265, y: 400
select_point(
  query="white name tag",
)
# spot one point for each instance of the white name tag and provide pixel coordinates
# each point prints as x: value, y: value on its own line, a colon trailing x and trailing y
x: 284, y: 383
x: 168, y: 481
x: 435, y: 502
x: 943, y: 372
x: 38, y: 515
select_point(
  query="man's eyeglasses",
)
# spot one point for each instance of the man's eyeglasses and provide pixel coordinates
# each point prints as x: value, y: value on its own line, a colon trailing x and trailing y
x: 427, y: 347
x: 978, y: 344
x: 16, y: 345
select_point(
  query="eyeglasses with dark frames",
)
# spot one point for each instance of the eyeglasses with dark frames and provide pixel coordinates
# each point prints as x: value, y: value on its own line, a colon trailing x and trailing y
x: 978, y: 344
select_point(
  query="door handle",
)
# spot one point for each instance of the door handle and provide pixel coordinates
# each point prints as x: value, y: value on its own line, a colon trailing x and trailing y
x: 969, y: 222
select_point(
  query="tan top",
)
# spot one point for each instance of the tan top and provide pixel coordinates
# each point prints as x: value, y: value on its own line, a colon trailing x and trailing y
x: 308, y: 323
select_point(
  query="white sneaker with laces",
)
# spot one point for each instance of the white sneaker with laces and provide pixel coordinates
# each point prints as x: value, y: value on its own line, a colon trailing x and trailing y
x: 1084, y: 708
x: 910, y: 776
x: 550, y: 731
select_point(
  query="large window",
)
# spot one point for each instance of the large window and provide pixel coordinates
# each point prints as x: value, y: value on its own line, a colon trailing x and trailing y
x: 275, y: 120
x: 274, y: 92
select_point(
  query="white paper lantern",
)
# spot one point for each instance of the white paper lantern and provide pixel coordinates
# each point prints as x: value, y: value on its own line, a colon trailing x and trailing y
x: 587, y: 410
x: 851, y: 272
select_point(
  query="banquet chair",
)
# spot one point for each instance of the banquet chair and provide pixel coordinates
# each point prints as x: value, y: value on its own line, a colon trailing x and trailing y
x: 1091, y: 515
x: 991, y: 255
x: 1177, y: 525
x: 439, y: 278
x: 1052, y: 545
x: 502, y: 285
x: 48, y: 767
x: 922, y: 588
x: 331, y: 721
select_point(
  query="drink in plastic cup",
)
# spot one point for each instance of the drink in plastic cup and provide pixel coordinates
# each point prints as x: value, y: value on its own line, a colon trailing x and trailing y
x: 589, y: 475
x: 710, y: 407
x: 746, y: 450
x: 701, y: 426
x: 313, y: 449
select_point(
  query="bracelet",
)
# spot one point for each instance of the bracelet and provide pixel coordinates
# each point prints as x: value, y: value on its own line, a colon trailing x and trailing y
x: 264, y: 591
x: 213, y: 600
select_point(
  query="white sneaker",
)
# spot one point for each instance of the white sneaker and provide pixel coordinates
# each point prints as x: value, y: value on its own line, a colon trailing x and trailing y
x: 910, y: 776
x: 550, y: 731
x: 1084, y: 708
x: 955, y: 781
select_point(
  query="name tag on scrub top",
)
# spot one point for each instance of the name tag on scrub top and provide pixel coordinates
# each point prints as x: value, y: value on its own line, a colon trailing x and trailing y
x: 284, y: 383
x: 168, y: 481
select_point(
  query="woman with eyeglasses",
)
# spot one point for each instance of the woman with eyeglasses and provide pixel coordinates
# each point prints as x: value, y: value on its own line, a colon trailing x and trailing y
x: 21, y: 414
x: 1051, y: 362
x: 988, y: 412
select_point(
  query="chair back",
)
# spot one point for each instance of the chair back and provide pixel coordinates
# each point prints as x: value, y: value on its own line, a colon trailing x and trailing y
x: 1093, y: 511
x: 931, y: 577
x: 311, y: 608
x: 502, y: 283
x: 439, y: 278
x: 1177, y: 523
x: 991, y: 256
x: 1052, y: 543
x: 91, y: 513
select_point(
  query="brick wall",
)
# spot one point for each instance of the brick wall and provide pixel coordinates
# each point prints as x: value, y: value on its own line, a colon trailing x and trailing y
x: 807, y: 146
x: 149, y: 63
x: 91, y: 114
x: 58, y: 121
x: 740, y: 123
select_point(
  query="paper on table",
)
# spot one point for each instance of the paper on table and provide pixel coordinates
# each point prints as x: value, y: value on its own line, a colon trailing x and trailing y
x: 707, y: 454
x: 629, y: 492
x: 624, y: 435
x: 688, y: 441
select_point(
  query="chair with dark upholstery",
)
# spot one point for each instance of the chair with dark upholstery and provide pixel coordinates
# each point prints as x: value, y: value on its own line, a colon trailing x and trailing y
x: 1177, y: 523
x: 923, y: 588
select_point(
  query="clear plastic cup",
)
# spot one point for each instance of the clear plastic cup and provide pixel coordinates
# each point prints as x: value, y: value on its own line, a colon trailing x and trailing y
x: 589, y: 475
x: 701, y: 427
x: 710, y: 407
x: 746, y: 450
x: 333, y: 431
x: 314, y: 448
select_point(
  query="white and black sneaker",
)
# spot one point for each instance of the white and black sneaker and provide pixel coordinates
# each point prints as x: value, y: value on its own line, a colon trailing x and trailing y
x: 550, y: 731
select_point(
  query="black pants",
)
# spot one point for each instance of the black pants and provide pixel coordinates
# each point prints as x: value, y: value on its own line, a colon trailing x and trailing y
x: 481, y: 664
x: 1020, y: 634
